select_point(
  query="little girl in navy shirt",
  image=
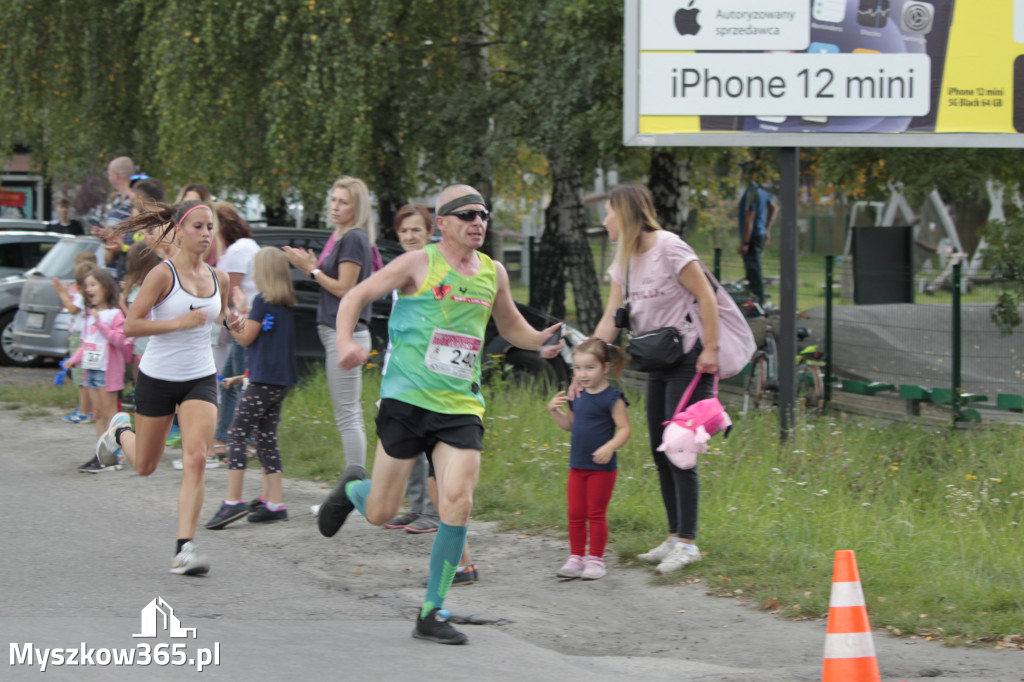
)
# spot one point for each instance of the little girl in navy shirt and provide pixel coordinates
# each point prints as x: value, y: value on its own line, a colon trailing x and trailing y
x: 268, y: 332
x: 599, y: 425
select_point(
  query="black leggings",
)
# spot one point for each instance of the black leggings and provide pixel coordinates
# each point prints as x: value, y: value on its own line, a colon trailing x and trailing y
x: 258, y: 412
x: 680, y: 488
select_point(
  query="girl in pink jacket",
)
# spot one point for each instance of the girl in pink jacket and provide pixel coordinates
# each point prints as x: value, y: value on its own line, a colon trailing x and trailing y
x: 104, y: 349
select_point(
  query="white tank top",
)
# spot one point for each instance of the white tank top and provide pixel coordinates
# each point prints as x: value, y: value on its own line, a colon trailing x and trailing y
x: 183, y: 354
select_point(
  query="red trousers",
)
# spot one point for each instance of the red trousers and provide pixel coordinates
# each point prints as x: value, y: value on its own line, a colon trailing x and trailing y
x: 588, y: 494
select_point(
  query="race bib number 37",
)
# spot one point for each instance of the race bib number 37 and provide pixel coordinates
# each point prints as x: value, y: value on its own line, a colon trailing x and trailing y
x: 453, y: 354
x: 92, y: 356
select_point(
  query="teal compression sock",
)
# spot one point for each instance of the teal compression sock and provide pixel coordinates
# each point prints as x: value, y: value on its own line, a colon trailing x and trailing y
x: 444, y: 560
x: 358, y: 491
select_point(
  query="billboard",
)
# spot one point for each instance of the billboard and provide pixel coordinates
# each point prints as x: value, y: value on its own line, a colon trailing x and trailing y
x: 885, y: 73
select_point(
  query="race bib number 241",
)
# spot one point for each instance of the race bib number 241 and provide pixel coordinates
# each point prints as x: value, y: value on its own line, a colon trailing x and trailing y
x: 453, y: 354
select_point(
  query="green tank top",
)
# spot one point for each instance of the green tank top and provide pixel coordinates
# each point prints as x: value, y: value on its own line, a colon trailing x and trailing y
x: 437, y: 338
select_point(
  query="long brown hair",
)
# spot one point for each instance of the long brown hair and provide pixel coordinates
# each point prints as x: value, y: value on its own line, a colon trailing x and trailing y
x: 634, y: 207
x: 141, y: 259
x: 232, y: 226
x: 105, y: 280
x: 162, y: 217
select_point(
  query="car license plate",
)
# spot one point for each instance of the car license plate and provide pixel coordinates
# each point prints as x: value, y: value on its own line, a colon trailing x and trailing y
x: 36, y: 320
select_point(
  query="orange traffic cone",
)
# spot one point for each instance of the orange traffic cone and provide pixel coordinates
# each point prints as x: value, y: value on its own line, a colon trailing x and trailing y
x: 849, y: 649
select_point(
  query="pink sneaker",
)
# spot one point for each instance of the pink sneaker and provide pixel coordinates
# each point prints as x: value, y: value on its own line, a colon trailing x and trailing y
x: 573, y: 568
x: 593, y: 568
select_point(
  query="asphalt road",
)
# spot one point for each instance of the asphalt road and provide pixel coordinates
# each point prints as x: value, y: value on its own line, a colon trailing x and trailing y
x: 84, y: 555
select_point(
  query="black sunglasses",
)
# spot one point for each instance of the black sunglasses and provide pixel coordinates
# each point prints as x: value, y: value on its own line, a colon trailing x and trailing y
x: 469, y: 214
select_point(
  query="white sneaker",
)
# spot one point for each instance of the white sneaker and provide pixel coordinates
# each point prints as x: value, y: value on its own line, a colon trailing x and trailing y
x: 106, y: 446
x: 681, y: 555
x: 573, y: 568
x: 189, y: 562
x: 593, y: 568
x: 658, y: 553
x: 211, y: 463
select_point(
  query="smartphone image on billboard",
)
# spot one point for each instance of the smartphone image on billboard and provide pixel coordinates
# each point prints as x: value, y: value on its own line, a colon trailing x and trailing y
x: 870, y: 27
x: 830, y: 11
x: 873, y: 13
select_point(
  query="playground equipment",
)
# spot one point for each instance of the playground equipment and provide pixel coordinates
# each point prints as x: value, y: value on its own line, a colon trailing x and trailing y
x: 935, y: 237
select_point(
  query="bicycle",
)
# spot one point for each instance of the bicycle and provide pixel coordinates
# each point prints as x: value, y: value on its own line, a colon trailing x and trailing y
x: 764, y: 367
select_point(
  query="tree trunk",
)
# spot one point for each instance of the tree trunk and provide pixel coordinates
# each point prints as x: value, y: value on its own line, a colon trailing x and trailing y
x: 670, y: 184
x: 477, y: 74
x: 277, y: 212
x: 564, y: 251
x: 389, y: 182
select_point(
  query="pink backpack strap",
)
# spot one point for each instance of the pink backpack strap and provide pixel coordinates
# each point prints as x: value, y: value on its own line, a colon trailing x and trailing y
x: 688, y: 393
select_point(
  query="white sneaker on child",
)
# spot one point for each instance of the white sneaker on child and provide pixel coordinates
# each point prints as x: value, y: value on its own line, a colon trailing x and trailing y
x: 573, y: 568
x: 682, y: 553
x: 658, y: 553
x: 593, y: 568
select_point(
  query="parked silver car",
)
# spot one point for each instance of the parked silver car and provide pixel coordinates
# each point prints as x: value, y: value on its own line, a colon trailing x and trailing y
x: 20, y: 250
x: 41, y: 326
x: 23, y: 224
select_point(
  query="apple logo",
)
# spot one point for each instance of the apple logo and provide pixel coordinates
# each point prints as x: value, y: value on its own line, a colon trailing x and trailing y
x: 686, y: 21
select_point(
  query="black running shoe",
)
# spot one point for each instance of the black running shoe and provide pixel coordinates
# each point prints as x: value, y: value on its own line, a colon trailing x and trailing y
x: 92, y: 463
x: 436, y: 628
x: 226, y: 514
x: 336, y: 508
x: 466, y: 576
x: 263, y: 514
x: 95, y: 467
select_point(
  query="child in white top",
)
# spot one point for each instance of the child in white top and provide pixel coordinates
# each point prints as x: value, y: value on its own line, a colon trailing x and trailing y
x: 73, y: 302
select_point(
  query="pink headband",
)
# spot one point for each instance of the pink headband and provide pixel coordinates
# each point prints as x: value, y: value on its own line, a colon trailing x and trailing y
x: 189, y: 211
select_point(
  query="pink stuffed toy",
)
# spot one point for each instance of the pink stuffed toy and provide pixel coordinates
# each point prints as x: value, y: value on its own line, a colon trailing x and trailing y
x: 687, y: 434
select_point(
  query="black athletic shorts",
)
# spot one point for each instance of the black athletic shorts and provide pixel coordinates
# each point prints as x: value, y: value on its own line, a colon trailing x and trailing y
x: 159, y: 398
x: 407, y: 430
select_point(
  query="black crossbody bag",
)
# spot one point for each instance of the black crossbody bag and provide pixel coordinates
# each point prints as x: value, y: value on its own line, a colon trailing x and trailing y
x: 653, y: 350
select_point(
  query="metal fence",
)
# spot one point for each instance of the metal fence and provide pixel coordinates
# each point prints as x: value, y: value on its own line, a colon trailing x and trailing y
x: 934, y: 341
x: 948, y: 352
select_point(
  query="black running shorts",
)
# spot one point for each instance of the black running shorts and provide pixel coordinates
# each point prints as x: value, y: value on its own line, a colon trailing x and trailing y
x: 159, y: 398
x: 407, y: 430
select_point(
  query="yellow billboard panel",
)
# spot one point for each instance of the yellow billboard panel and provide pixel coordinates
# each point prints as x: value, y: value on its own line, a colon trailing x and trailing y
x: 824, y: 72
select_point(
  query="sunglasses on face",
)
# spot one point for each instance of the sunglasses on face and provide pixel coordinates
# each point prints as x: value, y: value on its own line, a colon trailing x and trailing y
x: 469, y: 214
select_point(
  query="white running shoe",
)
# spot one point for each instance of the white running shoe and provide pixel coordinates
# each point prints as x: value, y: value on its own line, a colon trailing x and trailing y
x: 681, y: 555
x: 658, y: 553
x: 190, y: 562
x: 106, y: 446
